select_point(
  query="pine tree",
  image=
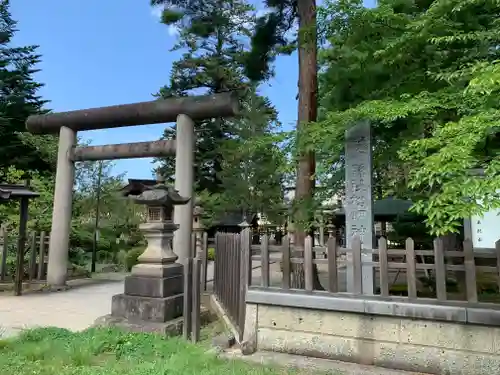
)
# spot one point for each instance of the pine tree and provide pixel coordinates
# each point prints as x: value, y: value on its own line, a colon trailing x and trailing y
x: 215, y: 36
x: 18, y: 100
x: 271, y: 37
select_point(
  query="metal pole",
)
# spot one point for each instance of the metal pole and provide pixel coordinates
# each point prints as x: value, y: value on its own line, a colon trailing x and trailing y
x: 96, y: 225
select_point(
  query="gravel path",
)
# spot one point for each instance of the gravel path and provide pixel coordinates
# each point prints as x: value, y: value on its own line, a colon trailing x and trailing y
x: 74, y: 309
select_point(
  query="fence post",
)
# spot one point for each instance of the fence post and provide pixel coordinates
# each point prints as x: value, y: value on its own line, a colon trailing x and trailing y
x: 411, y: 271
x: 440, y: 269
x: 470, y: 271
x: 384, y: 267
x: 285, y: 262
x: 196, y: 308
x: 188, y: 297
x: 21, y: 246
x: 308, y: 264
x: 5, y: 250
x: 497, y: 248
x: 193, y: 249
x: 32, y: 262
x: 41, y: 256
x: 216, y: 263
x: 264, y: 260
x: 204, y: 259
x: 332, y: 264
x: 245, y: 272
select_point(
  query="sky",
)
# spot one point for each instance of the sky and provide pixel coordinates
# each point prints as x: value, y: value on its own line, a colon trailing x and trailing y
x: 98, y: 53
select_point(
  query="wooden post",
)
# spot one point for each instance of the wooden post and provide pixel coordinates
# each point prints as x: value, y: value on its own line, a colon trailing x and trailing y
x: 32, y: 262
x: 21, y: 246
x: 196, y: 305
x: 497, y: 248
x: 245, y: 271
x: 234, y: 271
x: 332, y: 264
x: 411, y: 272
x: 308, y: 264
x: 264, y: 259
x: 204, y: 260
x: 5, y: 250
x: 193, y: 250
x: 188, y: 297
x: 285, y: 261
x: 217, y: 244
x: 470, y: 271
x: 440, y: 269
x: 41, y: 256
x: 384, y: 267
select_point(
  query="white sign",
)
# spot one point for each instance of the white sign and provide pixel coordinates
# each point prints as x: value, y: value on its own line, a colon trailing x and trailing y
x: 486, y: 229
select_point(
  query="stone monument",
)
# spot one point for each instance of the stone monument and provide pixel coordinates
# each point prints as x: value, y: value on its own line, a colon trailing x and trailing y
x: 359, y: 199
x: 153, y: 296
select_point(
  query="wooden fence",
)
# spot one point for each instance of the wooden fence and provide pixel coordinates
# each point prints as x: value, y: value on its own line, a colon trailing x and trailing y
x: 433, y: 265
x: 34, y: 266
x: 231, y: 270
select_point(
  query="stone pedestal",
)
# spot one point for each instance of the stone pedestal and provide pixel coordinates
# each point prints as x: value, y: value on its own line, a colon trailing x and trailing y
x: 153, y: 297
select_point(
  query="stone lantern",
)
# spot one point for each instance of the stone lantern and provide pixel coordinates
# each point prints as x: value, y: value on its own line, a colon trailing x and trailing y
x: 158, y: 229
x: 153, y: 297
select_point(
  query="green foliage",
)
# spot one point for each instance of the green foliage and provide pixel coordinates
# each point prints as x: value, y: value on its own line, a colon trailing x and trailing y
x: 271, y: 37
x: 426, y: 76
x: 211, y: 253
x: 18, y: 100
x: 411, y: 226
x: 119, y: 218
x: 98, y: 351
x: 131, y: 258
x: 238, y: 164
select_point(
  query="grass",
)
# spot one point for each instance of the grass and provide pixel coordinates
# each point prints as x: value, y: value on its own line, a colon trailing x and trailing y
x: 99, y: 351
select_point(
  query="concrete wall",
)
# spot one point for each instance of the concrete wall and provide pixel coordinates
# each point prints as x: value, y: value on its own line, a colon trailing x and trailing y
x: 421, y: 345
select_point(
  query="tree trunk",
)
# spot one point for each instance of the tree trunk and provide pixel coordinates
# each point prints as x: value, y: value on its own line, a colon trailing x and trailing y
x: 307, y: 112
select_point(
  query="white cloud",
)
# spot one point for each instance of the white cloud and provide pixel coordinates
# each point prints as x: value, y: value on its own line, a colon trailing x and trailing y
x: 172, y: 30
x: 157, y: 11
x: 262, y: 12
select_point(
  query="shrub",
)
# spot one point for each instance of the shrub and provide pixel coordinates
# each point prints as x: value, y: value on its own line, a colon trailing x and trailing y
x: 211, y: 253
x: 131, y: 257
x: 78, y: 271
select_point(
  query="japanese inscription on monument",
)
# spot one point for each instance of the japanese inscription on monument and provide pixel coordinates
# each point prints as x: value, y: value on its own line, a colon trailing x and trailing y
x: 485, y: 229
x: 358, y: 202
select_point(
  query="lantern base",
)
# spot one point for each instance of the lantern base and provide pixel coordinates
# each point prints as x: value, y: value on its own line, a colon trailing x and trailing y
x: 158, y: 270
x: 157, y: 287
x: 150, y: 298
x: 147, y: 309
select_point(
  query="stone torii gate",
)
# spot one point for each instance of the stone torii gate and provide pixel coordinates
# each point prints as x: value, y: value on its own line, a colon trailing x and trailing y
x: 182, y: 110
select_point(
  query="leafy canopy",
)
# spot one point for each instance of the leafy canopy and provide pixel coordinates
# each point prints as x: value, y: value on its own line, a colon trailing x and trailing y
x: 237, y: 161
x: 426, y: 75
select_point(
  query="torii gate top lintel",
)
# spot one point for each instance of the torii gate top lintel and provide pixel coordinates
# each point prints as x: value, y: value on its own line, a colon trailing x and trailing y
x: 153, y: 112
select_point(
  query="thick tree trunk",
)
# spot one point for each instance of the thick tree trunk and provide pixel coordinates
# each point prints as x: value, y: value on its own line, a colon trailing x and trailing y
x: 307, y: 112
